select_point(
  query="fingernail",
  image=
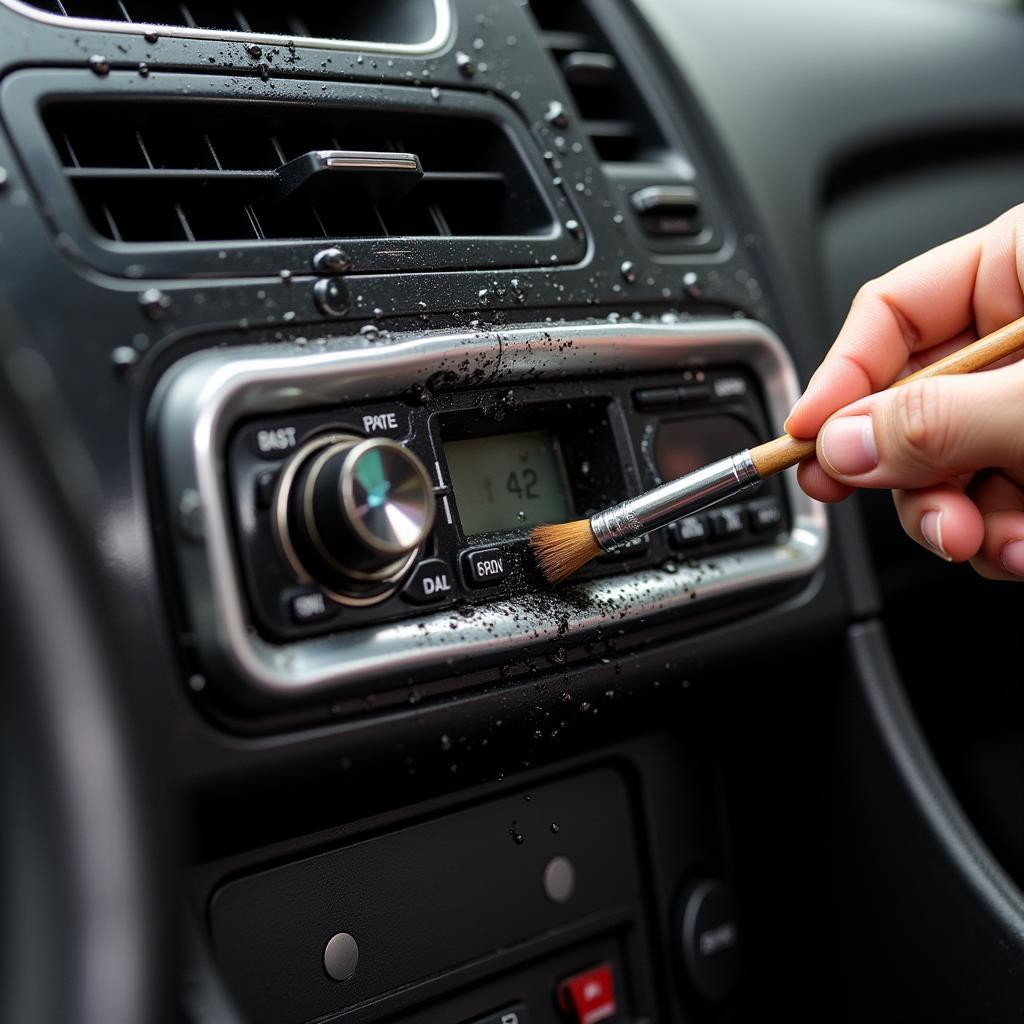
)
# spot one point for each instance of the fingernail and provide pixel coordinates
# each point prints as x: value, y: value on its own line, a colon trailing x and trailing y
x: 796, y: 405
x: 848, y: 445
x: 1013, y: 557
x: 931, y: 530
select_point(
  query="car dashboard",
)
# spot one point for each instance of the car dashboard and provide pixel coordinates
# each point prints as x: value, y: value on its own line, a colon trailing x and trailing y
x: 317, y: 311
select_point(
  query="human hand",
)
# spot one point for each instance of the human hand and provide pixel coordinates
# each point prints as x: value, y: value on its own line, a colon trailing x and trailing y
x: 950, y: 448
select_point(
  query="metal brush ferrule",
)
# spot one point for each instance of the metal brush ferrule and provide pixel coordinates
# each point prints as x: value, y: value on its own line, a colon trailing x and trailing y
x: 698, y: 490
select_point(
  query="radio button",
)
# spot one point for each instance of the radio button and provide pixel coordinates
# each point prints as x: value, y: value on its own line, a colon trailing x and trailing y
x: 486, y: 567
x: 730, y: 387
x: 385, y: 423
x: 687, y: 393
x: 430, y: 582
x: 276, y: 442
x: 308, y: 607
x: 656, y: 398
x: 727, y: 522
x: 689, y: 532
x: 764, y: 515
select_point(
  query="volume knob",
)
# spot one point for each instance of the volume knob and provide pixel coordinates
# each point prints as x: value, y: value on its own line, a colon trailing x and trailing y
x: 353, y: 514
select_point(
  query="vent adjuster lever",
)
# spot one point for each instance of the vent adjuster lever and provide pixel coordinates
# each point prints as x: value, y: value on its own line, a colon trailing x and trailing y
x: 376, y: 176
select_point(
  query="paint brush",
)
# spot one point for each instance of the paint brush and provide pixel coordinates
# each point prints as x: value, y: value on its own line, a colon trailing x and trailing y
x: 564, y: 548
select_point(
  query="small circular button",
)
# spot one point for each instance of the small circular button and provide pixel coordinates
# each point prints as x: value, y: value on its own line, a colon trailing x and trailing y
x: 341, y: 956
x: 559, y: 880
x: 352, y: 514
x: 709, y: 938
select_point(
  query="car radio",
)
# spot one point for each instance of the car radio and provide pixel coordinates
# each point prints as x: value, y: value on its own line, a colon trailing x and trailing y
x: 363, y: 512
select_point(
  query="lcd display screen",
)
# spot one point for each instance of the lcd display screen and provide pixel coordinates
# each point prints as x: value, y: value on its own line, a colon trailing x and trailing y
x: 684, y: 445
x: 509, y: 481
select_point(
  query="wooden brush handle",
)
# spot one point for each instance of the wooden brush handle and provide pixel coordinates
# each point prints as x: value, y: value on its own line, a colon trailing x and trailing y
x: 774, y: 456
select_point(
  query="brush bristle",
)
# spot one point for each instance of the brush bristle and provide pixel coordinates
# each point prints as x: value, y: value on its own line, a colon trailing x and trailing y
x: 564, y: 548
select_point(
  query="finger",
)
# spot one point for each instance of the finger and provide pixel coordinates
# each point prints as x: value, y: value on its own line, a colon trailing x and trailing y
x: 1001, y: 503
x: 818, y: 484
x: 942, y: 519
x: 927, y: 356
x: 974, y: 279
x: 915, y: 306
x: 928, y: 431
x: 997, y: 298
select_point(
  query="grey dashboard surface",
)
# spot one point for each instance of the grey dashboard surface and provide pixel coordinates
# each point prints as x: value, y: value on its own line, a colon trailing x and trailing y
x: 795, y: 89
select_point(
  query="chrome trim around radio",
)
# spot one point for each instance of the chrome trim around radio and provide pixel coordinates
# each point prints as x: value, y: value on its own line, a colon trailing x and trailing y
x: 442, y: 30
x: 206, y: 394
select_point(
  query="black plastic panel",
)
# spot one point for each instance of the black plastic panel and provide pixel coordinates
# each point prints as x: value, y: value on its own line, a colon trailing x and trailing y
x: 429, y: 899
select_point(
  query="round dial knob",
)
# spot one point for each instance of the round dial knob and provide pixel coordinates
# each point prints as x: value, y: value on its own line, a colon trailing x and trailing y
x: 353, y: 513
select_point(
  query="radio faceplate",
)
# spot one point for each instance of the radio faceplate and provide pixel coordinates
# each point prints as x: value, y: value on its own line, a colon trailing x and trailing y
x: 513, y: 428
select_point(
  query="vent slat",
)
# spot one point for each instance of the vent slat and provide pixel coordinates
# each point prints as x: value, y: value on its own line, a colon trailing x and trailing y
x: 172, y: 171
x: 165, y: 174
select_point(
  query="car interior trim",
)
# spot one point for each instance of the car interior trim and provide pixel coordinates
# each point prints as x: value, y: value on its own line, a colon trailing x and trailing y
x: 443, y: 25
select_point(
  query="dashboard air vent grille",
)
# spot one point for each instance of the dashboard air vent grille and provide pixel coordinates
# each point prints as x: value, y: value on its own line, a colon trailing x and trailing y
x: 168, y: 171
x: 397, y: 24
x: 617, y: 115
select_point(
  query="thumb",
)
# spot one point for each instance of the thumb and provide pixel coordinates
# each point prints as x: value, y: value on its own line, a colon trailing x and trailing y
x: 928, y: 431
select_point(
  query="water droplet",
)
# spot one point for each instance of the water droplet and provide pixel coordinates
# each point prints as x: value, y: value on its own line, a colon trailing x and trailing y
x: 517, y: 837
x: 446, y: 742
x: 556, y: 115
x: 435, y: 93
x: 465, y: 64
x: 124, y: 357
x: 628, y: 271
x: 144, y: 70
x: 99, y: 65
x: 554, y: 828
x: 155, y: 303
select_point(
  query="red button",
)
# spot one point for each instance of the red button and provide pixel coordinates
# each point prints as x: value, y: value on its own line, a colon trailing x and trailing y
x: 590, y: 996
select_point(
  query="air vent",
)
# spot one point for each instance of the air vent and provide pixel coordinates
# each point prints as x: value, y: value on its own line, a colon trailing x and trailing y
x: 188, y: 172
x: 638, y: 159
x: 411, y: 26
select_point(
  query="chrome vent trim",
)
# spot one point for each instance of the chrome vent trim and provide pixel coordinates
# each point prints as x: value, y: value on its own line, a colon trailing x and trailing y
x: 443, y: 25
